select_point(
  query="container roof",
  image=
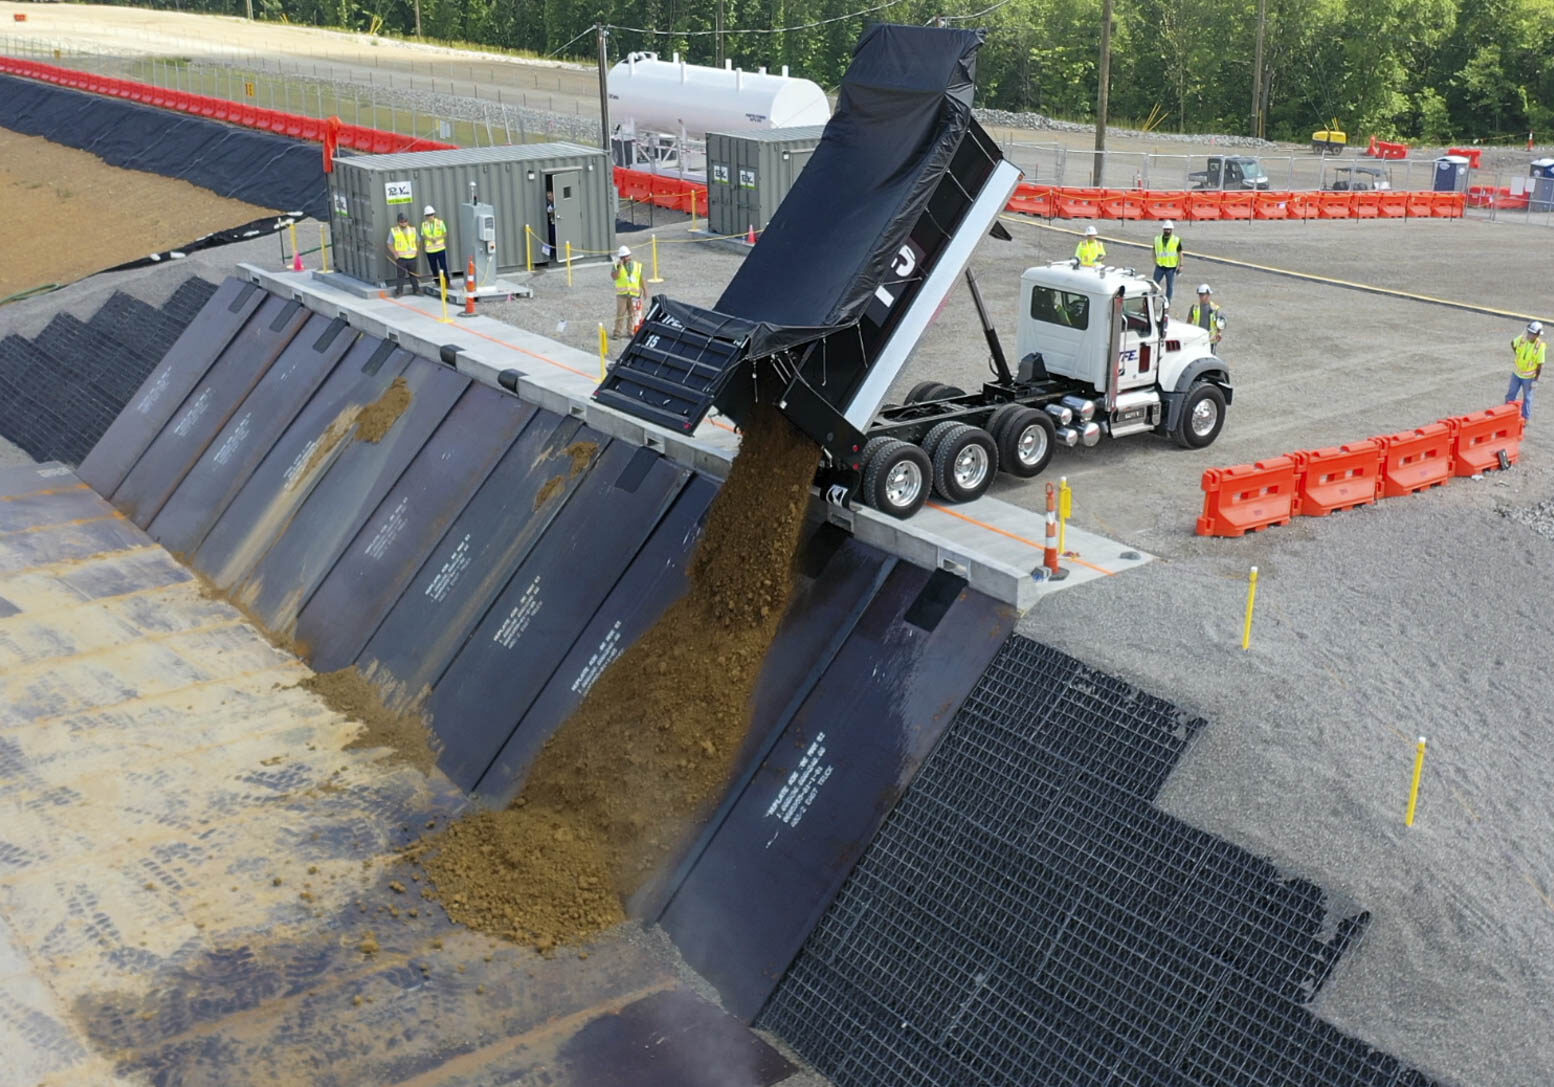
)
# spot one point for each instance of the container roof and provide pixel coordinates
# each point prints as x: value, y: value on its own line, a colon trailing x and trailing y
x: 473, y: 156
x: 776, y: 135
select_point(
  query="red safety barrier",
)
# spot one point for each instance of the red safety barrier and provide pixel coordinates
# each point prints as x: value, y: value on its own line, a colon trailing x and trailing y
x: 1203, y: 206
x: 1337, y: 479
x: 1392, y: 205
x: 1480, y: 438
x: 1075, y: 207
x: 1335, y: 205
x: 1247, y: 497
x: 1272, y: 205
x: 1472, y: 154
x: 1031, y: 200
x: 1305, y: 205
x: 1367, y: 205
x: 1385, y: 150
x: 1235, y: 205
x: 1420, y: 204
x: 1415, y: 459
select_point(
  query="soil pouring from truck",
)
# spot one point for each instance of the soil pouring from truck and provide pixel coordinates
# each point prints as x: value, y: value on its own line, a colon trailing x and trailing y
x: 827, y: 307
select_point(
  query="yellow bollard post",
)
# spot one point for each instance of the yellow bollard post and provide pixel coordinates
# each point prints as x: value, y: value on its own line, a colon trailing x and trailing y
x: 1413, y: 792
x: 296, y: 254
x: 604, y: 349
x: 528, y: 248
x: 1251, y: 596
x: 323, y: 248
x: 654, y: 277
x: 442, y: 286
x: 1065, y: 511
x: 569, y: 264
x: 693, y: 209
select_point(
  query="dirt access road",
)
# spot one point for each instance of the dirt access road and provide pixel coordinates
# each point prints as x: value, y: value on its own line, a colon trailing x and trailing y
x: 83, y: 215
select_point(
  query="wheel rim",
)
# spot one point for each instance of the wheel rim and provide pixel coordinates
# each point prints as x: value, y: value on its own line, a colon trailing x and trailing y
x: 903, y: 484
x: 1032, y: 445
x: 1205, y: 414
x: 971, y: 466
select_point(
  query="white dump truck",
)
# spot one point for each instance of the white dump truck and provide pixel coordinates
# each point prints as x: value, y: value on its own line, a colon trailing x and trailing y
x: 1097, y: 355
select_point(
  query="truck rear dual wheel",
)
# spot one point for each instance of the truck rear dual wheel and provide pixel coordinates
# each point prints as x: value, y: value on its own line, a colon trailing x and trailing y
x: 896, y: 477
x: 964, y: 463
x: 1026, y: 440
x: 931, y: 390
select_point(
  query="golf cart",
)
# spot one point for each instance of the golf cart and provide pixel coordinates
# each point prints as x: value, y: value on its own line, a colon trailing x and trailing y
x: 1361, y: 179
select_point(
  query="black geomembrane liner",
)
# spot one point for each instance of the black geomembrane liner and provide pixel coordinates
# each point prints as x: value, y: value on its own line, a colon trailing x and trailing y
x: 1027, y: 916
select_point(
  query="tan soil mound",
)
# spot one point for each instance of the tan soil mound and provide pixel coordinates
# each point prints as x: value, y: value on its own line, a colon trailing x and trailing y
x: 652, y: 746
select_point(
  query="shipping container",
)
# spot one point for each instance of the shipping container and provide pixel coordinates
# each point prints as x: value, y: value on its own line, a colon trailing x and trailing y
x: 545, y: 195
x: 749, y: 173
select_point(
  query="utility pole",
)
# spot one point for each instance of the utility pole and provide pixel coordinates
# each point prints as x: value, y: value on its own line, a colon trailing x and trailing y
x: 1257, y: 69
x: 604, y: 92
x: 417, y: 17
x: 719, y: 35
x: 1101, y: 94
x: 250, y: 10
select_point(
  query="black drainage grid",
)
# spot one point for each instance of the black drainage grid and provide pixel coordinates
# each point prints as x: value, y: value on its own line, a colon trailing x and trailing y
x: 60, y: 390
x: 1027, y: 916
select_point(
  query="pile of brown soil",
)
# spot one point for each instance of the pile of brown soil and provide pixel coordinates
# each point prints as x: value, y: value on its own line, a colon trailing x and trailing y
x: 377, y: 417
x: 652, y: 746
x: 405, y: 735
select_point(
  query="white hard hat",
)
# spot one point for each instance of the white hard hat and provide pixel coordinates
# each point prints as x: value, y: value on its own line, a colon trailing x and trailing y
x: 1169, y: 224
x: 1089, y: 231
x: 1535, y: 327
x: 622, y: 252
x: 429, y: 210
x: 1204, y: 288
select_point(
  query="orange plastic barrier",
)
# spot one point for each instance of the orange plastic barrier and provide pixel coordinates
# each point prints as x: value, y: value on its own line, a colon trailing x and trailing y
x: 1420, y: 204
x: 1447, y: 205
x: 1235, y: 205
x: 1203, y: 206
x: 1068, y: 206
x: 1125, y: 205
x: 1367, y: 205
x: 1415, y: 459
x: 1392, y: 205
x: 1480, y: 438
x: 1247, y: 497
x: 1305, y: 205
x: 1272, y: 205
x: 1472, y: 154
x: 1165, y: 206
x: 1385, y: 150
x: 1335, y: 205
x: 1032, y: 200
x: 1337, y: 479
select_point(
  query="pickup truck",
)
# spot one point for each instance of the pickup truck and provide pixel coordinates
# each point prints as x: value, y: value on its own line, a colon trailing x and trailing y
x: 1230, y: 172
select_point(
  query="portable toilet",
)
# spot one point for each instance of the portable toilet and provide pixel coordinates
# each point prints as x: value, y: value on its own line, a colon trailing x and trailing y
x: 1542, y: 172
x: 1451, y: 173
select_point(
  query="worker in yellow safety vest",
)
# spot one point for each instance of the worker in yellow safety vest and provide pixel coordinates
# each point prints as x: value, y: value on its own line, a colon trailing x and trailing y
x: 628, y: 291
x: 434, y: 239
x: 1528, y: 349
x: 1090, y: 252
x: 1168, y: 257
x: 1207, y: 315
x: 402, y: 246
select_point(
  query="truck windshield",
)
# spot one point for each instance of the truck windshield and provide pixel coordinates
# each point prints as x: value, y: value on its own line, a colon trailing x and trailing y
x: 1135, y: 315
x: 1060, y: 308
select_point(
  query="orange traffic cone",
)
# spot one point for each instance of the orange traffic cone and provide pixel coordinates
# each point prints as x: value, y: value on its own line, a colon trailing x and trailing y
x: 1529, y: 141
x: 469, y: 289
x: 296, y: 262
x: 750, y: 234
x: 1049, y: 555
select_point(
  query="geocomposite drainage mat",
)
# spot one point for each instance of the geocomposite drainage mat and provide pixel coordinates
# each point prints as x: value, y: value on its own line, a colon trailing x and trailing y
x: 1027, y: 916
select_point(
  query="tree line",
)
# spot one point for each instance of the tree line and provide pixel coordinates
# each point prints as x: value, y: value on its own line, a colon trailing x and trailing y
x: 1434, y: 71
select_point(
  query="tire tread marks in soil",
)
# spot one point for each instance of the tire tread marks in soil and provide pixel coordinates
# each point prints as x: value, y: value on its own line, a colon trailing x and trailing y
x: 651, y: 748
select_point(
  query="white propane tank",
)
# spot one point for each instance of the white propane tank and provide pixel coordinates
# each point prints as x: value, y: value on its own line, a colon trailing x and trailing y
x: 672, y: 96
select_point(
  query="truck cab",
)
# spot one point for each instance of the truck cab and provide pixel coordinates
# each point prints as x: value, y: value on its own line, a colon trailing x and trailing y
x: 1230, y: 172
x: 1108, y: 330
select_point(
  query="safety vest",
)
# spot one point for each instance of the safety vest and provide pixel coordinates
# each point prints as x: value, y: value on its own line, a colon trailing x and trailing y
x: 1090, y: 253
x: 628, y: 278
x: 403, y: 242
x: 1529, y: 355
x: 1168, y: 251
x: 1208, y: 319
x: 435, y: 234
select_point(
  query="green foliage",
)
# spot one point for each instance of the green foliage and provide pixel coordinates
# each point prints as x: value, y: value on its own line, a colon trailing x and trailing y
x: 1442, y: 71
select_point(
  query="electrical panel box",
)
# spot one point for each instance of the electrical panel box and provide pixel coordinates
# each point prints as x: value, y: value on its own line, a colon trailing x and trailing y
x: 477, y: 222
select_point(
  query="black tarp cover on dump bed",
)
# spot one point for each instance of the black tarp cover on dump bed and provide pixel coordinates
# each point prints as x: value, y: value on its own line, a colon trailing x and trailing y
x: 904, y: 107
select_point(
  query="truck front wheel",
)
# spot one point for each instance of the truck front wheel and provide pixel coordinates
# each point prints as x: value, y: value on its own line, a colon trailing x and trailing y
x: 896, y: 479
x: 1203, y: 414
x: 1026, y: 439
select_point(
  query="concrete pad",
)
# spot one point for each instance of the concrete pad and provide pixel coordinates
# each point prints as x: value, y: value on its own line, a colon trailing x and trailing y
x: 994, y: 544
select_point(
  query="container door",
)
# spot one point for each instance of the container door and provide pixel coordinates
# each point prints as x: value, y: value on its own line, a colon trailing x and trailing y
x: 747, y: 195
x: 567, y: 218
